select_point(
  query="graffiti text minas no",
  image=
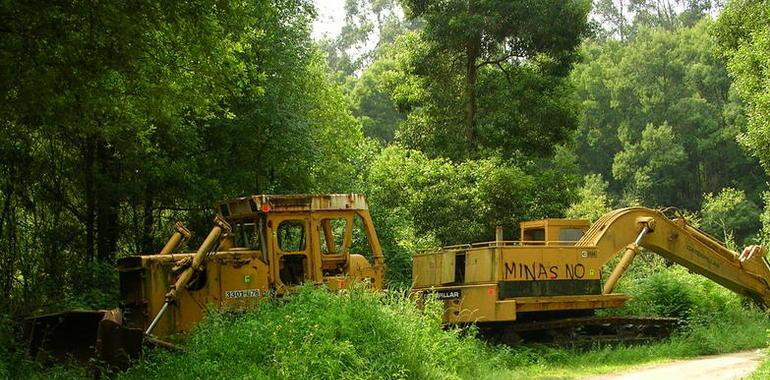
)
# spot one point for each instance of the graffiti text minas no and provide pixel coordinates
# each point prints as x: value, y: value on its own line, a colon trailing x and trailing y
x: 540, y: 271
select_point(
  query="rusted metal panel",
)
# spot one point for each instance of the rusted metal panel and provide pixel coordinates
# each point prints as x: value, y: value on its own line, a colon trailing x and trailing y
x: 255, y: 204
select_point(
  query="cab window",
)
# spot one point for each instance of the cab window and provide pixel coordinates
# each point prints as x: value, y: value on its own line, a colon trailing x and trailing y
x: 246, y: 235
x: 570, y: 234
x: 291, y: 236
x: 360, y: 244
x: 534, y: 234
x: 333, y: 235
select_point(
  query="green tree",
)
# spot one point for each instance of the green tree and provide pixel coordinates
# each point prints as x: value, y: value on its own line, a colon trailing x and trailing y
x: 420, y: 202
x: 744, y: 41
x: 362, y: 59
x: 487, y: 74
x: 663, y: 77
x: 730, y: 216
x: 372, y: 98
x: 96, y: 96
x: 593, y: 200
x: 369, y: 25
x: 123, y: 117
x: 650, y: 169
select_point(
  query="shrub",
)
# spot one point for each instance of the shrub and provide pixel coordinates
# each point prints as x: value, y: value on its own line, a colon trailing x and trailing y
x: 675, y: 292
x: 316, y: 334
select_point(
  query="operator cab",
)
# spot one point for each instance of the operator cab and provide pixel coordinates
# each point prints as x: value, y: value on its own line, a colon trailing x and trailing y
x: 553, y: 231
x: 310, y: 237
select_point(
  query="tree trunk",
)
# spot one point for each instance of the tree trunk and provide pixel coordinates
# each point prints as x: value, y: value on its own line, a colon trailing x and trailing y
x: 107, y: 204
x: 622, y: 22
x: 90, y: 195
x: 471, y: 55
x: 6, y: 256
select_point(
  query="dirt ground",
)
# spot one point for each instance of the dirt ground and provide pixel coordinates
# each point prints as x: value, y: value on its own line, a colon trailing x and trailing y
x: 719, y: 367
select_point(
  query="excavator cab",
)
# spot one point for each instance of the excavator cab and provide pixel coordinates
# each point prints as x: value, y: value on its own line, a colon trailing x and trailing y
x: 553, y: 231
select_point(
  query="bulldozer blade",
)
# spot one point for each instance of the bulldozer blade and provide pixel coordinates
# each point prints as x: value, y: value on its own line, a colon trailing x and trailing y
x: 116, y: 344
x: 82, y: 336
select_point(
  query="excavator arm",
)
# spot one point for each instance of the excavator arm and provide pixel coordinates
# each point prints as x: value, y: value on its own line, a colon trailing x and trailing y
x: 747, y: 273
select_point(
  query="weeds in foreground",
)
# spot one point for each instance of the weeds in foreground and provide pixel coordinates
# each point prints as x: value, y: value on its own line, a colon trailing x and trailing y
x: 360, y: 334
x: 366, y: 335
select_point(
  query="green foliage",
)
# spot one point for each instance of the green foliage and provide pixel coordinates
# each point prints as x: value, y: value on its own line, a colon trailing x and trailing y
x: 730, y: 216
x: 366, y: 21
x: 593, y: 201
x: 744, y: 41
x: 364, y: 335
x: 488, y: 75
x: 675, y: 293
x: 708, y: 311
x: 124, y: 117
x: 622, y: 19
x: 359, y: 334
x: 419, y: 202
x: 662, y: 106
x: 372, y: 99
x: 763, y: 372
x: 764, y: 217
x: 650, y: 168
x: 316, y: 334
x: 460, y: 203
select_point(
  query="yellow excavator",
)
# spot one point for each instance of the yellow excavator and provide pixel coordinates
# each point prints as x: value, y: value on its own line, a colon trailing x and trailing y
x: 259, y: 245
x: 546, y: 286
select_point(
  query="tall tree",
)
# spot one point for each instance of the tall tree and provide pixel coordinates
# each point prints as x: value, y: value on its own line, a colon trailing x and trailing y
x: 491, y: 46
x: 743, y: 36
x: 369, y: 25
x: 613, y: 17
x: 120, y: 117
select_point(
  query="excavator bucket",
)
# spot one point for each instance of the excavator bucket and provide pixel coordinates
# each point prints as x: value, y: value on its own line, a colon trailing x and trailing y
x: 82, y: 336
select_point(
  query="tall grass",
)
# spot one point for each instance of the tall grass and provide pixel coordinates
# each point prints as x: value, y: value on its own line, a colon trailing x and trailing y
x: 314, y: 334
x: 361, y: 334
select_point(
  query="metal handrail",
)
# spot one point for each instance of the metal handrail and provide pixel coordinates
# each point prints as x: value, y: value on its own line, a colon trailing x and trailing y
x: 502, y: 243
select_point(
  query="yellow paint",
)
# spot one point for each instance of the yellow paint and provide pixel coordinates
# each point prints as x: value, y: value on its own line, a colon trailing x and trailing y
x: 237, y: 277
x: 545, y: 265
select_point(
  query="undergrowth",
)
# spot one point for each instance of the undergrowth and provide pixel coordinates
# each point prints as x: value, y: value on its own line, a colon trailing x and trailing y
x: 365, y: 335
x: 763, y: 372
x: 361, y: 334
x: 315, y: 334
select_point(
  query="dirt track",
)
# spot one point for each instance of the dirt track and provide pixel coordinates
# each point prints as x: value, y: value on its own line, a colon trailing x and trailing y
x: 720, y: 367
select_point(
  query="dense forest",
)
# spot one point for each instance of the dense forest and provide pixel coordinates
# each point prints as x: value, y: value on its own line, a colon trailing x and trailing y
x: 453, y: 117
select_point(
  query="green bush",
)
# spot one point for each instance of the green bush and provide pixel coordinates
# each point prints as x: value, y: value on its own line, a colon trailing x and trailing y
x: 357, y: 334
x: 659, y: 289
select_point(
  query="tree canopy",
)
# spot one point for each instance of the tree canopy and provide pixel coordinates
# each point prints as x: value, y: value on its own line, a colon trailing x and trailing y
x: 453, y: 116
x: 120, y: 117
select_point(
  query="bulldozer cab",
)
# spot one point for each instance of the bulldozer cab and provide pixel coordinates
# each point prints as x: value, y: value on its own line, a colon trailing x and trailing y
x: 260, y: 244
x: 320, y: 238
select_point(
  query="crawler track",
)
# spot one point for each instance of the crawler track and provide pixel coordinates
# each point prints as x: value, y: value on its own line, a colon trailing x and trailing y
x: 585, y: 331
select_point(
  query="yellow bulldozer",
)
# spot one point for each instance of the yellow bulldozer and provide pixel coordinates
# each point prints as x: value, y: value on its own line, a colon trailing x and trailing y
x: 546, y: 286
x: 259, y: 244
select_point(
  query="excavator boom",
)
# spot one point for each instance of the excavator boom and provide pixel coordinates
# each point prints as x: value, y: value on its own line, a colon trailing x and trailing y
x: 747, y: 273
